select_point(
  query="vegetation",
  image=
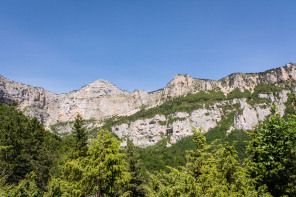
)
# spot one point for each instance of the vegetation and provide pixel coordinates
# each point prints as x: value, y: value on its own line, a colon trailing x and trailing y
x: 263, y: 89
x: 101, y: 172
x: 25, y: 146
x: 261, y: 162
x: 236, y: 93
x: 187, y: 104
x: 209, y: 171
x: 80, y: 136
x: 191, y: 102
x: 159, y: 156
x: 290, y: 103
x: 135, y: 187
x: 272, y: 155
x: 253, y: 98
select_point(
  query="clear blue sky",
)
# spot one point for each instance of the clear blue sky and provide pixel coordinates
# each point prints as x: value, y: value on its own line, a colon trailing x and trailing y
x: 62, y: 45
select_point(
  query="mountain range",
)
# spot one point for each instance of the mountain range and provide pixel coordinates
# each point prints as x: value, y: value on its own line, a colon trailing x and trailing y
x: 146, y: 117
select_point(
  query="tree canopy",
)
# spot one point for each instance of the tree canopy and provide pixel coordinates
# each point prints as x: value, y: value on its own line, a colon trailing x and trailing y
x: 272, y: 154
x: 35, y: 162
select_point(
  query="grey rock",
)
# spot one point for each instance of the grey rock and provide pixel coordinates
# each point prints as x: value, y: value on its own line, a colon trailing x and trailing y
x: 101, y: 99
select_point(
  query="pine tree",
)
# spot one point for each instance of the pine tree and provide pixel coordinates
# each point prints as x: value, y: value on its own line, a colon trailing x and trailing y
x: 80, y: 137
x: 135, y: 185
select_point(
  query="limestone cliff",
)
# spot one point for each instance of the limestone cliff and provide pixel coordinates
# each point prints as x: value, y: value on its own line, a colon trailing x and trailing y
x: 149, y: 131
x: 101, y: 99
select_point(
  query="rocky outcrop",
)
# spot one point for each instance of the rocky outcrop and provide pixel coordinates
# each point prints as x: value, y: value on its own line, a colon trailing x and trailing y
x: 149, y: 131
x: 102, y: 99
x: 25, y: 95
x: 93, y: 101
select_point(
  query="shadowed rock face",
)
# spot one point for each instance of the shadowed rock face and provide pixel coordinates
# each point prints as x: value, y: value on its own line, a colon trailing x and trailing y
x: 101, y: 99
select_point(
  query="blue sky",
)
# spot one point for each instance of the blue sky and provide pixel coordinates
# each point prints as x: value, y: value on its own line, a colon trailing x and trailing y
x: 62, y: 45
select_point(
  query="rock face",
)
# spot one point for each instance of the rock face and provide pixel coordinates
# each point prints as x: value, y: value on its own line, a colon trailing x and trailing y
x: 102, y: 99
x: 149, y: 131
x: 93, y: 101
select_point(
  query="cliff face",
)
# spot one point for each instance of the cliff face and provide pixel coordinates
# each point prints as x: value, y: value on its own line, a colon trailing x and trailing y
x: 184, y: 84
x: 149, y: 131
x: 102, y: 99
x: 93, y: 101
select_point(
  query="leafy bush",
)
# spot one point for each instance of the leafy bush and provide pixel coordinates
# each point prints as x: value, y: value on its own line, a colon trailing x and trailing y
x: 236, y: 93
x: 263, y: 89
x: 272, y: 154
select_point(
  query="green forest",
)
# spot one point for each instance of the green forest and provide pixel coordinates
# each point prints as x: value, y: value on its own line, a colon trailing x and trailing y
x: 35, y: 162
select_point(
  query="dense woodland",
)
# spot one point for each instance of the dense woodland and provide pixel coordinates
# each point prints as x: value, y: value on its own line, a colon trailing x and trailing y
x: 35, y: 162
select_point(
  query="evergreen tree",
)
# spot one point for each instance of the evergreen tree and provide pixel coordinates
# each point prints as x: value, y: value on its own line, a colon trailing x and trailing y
x: 80, y: 137
x: 210, y: 171
x: 25, y: 146
x: 101, y: 172
x: 135, y: 185
x: 26, y: 188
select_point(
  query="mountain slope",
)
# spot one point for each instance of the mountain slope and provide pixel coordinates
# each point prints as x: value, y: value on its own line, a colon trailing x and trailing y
x: 246, y: 97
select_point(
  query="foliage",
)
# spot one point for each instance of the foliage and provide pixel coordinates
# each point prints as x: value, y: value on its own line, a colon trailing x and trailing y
x: 101, y: 172
x: 54, y: 127
x: 187, y: 104
x: 135, y: 185
x: 159, y: 156
x: 80, y: 136
x: 272, y: 154
x: 219, y: 132
x: 198, y: 165
x: 240, y: 140
x: 26, y: 188
x: 207, y: 173
x: 290, y: 103
x: 25, y: 146
x: 236, y: 93
x: 263, y: 89
x: 266, y: 89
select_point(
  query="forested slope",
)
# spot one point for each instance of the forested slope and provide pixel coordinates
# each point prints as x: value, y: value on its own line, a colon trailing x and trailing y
x: 35, y: 162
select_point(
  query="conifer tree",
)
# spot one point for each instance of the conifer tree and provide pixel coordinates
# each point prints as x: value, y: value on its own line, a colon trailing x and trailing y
x: 24, y: 147
x: 135, y: 185
x: 101, y: 172
x: 26, y: 188
x: 80, y: 137
x: 106, y: 172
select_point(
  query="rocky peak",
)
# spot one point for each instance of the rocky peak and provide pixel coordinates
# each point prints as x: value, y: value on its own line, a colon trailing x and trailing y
x: 25, y: 95
x: 97, y: 89
x: 181, y: 80
x: 102, y: 87
x: 180, y: 85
